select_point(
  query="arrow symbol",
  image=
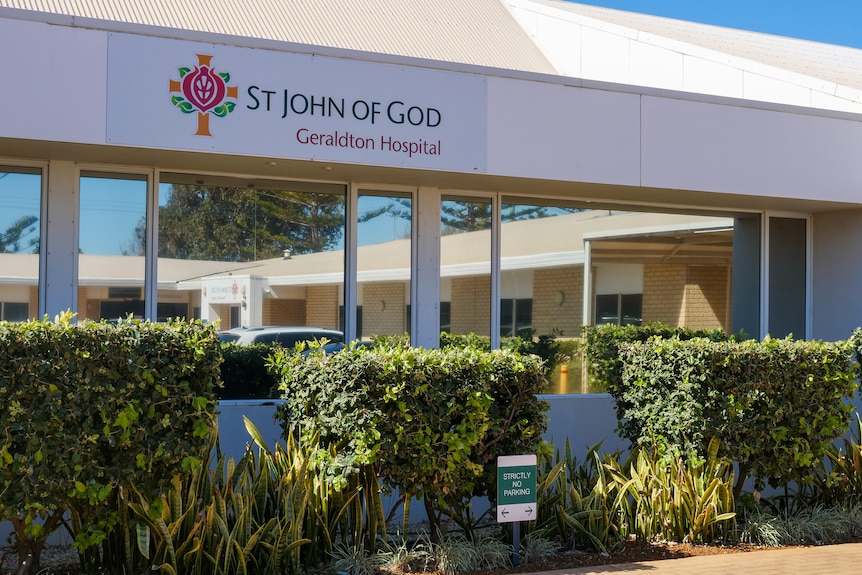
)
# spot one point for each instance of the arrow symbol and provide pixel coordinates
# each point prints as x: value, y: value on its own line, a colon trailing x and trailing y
x: 504, y: 512
x: 529, y: 511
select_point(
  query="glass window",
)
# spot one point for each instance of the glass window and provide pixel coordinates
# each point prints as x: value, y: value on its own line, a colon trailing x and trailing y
x: 111, y: 245
x: 465, y: 256
x: 516, y: 317
x: 20, y: 212
x: 619, y: 309
x: 507, y: 317
x: 15, y: 311
x: 385, y: 221
x: 446, y: 316
x: 541, y: 268
x: 607, y: 309
x: 250, y: 253
x: 358, y: 318
x: 631, y: 308
x: 541, y: 278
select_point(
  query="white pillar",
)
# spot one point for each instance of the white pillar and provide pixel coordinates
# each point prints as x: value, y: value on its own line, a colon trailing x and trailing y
x: 58, y: 263
x: 587, y: 318
x: 425, y: 284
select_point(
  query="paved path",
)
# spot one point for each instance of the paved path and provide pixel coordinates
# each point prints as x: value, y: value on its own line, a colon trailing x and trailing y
x: 845, y: 559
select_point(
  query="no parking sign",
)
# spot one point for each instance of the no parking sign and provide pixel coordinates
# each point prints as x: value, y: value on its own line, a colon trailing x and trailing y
x: 516, y: 488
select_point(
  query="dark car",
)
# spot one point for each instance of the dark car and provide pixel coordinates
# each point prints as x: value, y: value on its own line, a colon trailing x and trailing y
x: 286, y: 336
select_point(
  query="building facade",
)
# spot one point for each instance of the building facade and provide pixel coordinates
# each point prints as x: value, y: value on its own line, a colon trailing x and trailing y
x: 496, y: 166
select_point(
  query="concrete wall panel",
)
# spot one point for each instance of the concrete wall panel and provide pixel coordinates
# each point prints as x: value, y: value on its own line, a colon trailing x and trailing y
x: 55, y: 81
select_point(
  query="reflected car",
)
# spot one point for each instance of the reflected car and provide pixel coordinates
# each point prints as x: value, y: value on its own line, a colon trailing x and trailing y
x: 228, y: 336
x: 286, y: 336
x: 335, y: 346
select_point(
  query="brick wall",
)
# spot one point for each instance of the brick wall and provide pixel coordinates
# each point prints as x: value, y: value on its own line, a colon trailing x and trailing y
x: 547, y: 314
x: 383, y: 309
x: 222, y: 315
x: 83, y: 302
x: 321, y: 306
x: 706, y: 297
x: 664, y: 293
x: 283, y: 312
x: 686, y: 296
x: 471, y: 305
x: 33, y: 306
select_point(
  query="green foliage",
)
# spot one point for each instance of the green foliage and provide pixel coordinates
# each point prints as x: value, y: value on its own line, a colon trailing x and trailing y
x: 535, y: 548
x: 576, y: 501
x: 460, y: 216
x: 93, y: 408
x: 761, y: 529
x: 453, y: 553
x: 675, y: 499
x: 457, y: 553
x: 244, y: 224
x: 551, y: 350
x: 776, y: 405
x: 838, y: 479
x: 226, y: 518
x: 602, y: 347
x: 432, y: 422
x: 597, y: 503
x: 346, y: 559
x: 817, y: 525
x: 244, y: 372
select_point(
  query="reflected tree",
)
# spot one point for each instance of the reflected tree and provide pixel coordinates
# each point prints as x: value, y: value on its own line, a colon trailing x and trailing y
x: 244, y: 224
x: 19, y: 238
x: 469, y: 216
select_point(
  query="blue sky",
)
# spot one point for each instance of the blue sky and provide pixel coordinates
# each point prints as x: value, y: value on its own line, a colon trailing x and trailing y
x: 830, y: 21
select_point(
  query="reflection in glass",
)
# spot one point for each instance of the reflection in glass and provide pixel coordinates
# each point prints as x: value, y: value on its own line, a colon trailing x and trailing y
x: 20, y: 210
x: 541, y: 279
x: 465, y: 274
x: 383, y: 263
x: 250, y: 253
x: 111, y: 243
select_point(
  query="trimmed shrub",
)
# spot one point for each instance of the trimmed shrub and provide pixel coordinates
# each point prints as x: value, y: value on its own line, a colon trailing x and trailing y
x: 776, y: 405
x: 94, y: 408
x: 432, y: 422
x: 244, y: 373
x: 602, y: 347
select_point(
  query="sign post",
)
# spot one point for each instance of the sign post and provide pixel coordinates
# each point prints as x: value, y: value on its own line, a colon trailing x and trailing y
x: 516, y: 495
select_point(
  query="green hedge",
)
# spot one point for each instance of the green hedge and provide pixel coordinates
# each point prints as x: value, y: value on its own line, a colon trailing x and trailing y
x: 244, y: 372
x: 776, y: 405
x: 602, y: 342
x: 431, y: 421
x: 90, y: 408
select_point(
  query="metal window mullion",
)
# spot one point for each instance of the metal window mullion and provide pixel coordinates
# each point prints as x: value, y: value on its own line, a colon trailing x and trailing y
x: 496, y: 210
x: 351, y: 207
x: 151, y: 249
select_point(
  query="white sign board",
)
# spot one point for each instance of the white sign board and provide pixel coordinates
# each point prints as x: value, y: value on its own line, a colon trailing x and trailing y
x: 174, y: 94
x: 516, y: 488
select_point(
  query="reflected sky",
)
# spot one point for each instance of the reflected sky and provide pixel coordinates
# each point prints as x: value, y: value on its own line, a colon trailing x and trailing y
x: 20, y: 196
x: 110, y: 211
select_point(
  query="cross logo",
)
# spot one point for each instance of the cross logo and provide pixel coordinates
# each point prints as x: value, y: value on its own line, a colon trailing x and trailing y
x: 204, y: 91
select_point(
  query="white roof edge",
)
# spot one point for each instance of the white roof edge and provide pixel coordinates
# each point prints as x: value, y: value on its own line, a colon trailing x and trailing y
x: 285, y: 46
x: 716, y: 225
x: 744, y: 64
x: 554, y: 259
x: 113, y: 282
x: 327, y: 278
x: 383, y: 275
